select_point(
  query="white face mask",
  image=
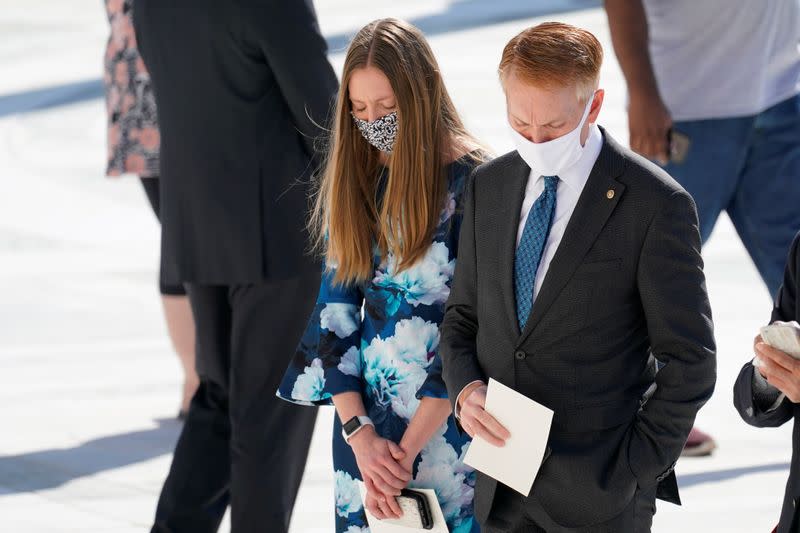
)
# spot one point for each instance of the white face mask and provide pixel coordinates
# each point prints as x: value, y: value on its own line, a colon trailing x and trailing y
x: 552, y: 157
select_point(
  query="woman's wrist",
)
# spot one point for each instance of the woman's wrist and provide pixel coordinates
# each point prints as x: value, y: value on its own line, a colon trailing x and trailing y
x: 431, y: 414
x: 410, y: 445
x: 362, y: 437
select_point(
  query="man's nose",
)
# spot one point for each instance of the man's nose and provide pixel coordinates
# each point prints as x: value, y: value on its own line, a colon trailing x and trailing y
x: 536, y: 137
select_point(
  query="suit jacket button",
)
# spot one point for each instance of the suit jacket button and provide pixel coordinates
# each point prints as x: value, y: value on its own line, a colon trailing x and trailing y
x: 520, y: 355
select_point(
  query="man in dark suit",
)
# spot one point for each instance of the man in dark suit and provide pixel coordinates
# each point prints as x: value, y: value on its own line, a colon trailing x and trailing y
x: 578, y: 264
x: 241, y: 89
x: 768, y: 396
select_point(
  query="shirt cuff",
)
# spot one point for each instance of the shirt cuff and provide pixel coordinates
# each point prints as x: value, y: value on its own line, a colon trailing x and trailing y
x: 456, y: 409
x: 764, y: 394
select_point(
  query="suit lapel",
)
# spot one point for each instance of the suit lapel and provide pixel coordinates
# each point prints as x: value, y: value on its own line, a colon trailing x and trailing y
x: 587, y: 221
x: 513, y: 195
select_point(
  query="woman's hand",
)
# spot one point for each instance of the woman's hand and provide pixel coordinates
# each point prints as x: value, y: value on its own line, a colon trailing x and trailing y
x: 380, y: 504
x: 408, y: 461
x: 375, y: 503
x: 412, y: 446
x: 378, y: 461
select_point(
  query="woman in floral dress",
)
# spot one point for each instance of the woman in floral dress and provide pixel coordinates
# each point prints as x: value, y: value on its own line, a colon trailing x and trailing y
x: 398, y: 166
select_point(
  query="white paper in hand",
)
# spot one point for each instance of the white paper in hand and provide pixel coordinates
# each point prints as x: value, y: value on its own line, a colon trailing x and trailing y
x: 389, y: 526
x: 517, y: 463
x: 784, y: 336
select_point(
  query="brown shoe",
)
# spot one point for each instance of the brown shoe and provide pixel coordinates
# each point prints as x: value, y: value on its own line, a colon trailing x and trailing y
x: 698, y: 444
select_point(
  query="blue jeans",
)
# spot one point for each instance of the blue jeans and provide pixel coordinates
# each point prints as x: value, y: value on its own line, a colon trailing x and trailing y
x: 749, y: 167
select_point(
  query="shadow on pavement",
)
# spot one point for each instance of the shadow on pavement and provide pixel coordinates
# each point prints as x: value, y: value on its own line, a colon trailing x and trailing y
x: 458, y: 15
x: 47, y: 469
x: 49, y: 97
x: 689, y: 480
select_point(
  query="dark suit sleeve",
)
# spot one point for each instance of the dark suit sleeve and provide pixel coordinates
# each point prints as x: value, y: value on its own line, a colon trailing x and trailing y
x: 752, y: 408
x: 457, y: 346
x: 786, y: 303
x: 673, y: 295
x: 753, y: 403
x: 296, y: 51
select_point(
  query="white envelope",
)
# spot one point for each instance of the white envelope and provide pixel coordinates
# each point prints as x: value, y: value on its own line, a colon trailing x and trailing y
x: 517, y: 463
x: 387, y: 526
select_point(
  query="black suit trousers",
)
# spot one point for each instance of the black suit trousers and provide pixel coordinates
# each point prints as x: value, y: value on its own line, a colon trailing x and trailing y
x: 513, y: 514
x: 240, y: 444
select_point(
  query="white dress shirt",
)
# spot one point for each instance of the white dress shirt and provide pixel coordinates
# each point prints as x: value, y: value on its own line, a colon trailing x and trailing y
x: 570, y: 186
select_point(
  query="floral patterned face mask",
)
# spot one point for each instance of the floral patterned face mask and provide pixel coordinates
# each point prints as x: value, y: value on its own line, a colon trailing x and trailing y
x: 381, y: 132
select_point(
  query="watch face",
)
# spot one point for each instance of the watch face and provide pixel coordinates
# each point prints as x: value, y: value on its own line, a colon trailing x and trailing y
x: 351, y: 425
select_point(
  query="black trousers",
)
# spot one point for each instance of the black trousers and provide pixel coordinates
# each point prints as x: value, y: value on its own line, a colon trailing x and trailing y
x: 240, y: 444
x: 512, y: 514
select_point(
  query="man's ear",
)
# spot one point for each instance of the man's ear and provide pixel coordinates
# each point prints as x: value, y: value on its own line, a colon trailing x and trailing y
x: 597, y: 103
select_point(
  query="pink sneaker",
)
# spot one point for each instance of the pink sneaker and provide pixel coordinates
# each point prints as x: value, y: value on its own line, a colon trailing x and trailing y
x: 698, y: 444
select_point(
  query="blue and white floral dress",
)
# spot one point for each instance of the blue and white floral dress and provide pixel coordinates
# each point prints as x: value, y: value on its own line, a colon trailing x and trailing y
x: 390, y: 356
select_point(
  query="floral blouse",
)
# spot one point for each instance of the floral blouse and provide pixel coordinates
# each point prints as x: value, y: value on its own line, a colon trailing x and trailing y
x: 133, y: 136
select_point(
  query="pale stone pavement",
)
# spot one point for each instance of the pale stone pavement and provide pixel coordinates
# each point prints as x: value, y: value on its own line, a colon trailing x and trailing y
x: 88, y: 383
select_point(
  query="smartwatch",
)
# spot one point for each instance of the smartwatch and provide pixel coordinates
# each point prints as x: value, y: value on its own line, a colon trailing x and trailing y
x: 354, y: 425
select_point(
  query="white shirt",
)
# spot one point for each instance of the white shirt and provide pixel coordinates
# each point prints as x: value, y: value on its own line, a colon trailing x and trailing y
x: 724, y: 58
x: 570, y: 185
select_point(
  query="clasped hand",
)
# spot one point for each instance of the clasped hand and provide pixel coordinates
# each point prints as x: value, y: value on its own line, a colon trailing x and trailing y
x: 386, y: 469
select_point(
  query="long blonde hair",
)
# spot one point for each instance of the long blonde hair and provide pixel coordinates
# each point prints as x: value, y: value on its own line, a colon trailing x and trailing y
x: 348, y: 221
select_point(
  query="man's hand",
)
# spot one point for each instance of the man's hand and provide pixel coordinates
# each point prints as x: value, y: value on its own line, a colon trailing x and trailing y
x: 780, y: 369
x: 649, y: 122
x: 476, y: 421
x: 756, y: 341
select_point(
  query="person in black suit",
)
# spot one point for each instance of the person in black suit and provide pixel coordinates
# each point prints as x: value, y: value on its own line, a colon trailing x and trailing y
x: 242, y: 90
x: 768, y: 396
x: 579, y: 264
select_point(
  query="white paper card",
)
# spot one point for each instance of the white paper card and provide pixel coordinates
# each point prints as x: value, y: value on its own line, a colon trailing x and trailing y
x: 785, y: 336
x: 388, y: 525
x: 517, y: 463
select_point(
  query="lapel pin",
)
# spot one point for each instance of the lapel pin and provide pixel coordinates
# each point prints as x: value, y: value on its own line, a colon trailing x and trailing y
x: 610, y: 194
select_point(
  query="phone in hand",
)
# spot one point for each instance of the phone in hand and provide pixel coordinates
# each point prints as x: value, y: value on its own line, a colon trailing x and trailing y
x: 416, y: 510
x: 678, y: 146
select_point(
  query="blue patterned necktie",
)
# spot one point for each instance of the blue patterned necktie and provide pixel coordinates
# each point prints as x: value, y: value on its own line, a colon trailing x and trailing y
x: 531, y: 246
